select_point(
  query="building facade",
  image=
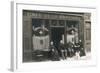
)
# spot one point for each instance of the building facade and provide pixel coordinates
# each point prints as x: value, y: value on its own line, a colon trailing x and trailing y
x: 57, y: 26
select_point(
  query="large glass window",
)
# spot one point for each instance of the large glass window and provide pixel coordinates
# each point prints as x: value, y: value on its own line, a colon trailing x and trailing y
x: 54, y: 23
x: 40, y: 38
x: 61, y: 23
x: 72, y: 31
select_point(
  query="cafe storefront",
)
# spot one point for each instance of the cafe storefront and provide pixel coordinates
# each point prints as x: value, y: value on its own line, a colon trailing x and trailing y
x: 40, y: 28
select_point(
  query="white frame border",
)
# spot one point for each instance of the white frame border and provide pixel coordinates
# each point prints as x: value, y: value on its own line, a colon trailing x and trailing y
x: 16, y: 59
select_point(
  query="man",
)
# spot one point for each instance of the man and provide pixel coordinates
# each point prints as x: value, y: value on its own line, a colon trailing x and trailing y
x: 82, y: 51
x: 53, y: 53
x: 71, y: 51
x: 63, y: 50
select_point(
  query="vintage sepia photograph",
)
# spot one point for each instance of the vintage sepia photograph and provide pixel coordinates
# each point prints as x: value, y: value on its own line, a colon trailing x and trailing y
x: 49, y: 36
x: 55, y: 35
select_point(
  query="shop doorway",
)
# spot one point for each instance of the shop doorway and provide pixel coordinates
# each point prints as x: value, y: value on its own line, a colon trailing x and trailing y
x: 56, y: 35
